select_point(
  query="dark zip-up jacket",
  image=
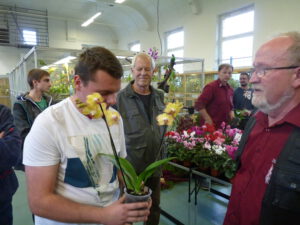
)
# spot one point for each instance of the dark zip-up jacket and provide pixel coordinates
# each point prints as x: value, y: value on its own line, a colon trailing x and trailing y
x: 142, y: 136
x: 10, y: 151
x: 25, y: 110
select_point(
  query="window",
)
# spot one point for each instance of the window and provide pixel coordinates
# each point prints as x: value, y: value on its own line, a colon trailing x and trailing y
x: 235, y: 39
x: 135, y: 46
x: 174, y: 45
x: 29, y: 37
x: 23, y: 27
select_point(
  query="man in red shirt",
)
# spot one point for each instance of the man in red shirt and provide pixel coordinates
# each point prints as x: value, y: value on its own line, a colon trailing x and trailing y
x: 266, y: 188
x: 215, y: 102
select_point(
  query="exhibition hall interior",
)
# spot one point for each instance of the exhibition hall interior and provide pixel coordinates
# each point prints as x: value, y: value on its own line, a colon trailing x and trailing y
x: 188, y: 46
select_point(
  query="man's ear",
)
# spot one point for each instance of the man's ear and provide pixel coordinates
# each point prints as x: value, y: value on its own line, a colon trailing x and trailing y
x: 296, y: 82
x: 77, y: 82
x: 34, y: 82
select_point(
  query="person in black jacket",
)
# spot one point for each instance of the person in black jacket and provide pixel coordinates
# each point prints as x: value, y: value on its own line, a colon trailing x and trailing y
x: 10, y: 150
x: 29, y: 105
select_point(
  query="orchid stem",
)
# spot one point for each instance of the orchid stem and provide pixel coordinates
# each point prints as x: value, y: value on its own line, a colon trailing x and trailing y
x: 161, y: 142
x: 114, y: 147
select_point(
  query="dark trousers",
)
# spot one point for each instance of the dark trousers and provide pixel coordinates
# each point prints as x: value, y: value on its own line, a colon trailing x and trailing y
x: 154, y: 184
x: 6, y: 217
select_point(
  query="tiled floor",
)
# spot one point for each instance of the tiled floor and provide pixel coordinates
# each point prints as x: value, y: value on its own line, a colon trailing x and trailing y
x: 210, y: 209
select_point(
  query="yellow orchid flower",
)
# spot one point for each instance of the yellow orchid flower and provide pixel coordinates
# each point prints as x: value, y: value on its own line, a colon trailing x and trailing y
x: 94, y: 98
x: 112, y: 117
x: 91, y: 108
x: 173, y: 108
x: 165, y: 119
x: 92, y: 111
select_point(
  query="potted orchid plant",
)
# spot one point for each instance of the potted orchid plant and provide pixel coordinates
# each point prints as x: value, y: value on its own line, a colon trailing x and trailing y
x: 95, y: 107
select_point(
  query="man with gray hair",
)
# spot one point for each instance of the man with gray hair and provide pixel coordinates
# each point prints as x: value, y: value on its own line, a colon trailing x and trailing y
x: 266, y: 186
x: 139, y: 104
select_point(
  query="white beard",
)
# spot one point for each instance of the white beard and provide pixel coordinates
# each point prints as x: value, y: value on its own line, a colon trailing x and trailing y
x: 262, y: 104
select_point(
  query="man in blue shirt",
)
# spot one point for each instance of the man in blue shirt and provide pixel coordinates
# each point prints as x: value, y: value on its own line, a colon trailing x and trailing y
x: 242, y: 98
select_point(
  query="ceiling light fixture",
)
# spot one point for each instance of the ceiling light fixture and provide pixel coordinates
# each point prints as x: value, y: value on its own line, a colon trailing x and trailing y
x: 64, y: 60
x: 90, y: 20
x: 119, y: 1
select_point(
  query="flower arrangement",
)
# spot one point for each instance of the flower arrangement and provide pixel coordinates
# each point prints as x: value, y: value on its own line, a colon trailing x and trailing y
x: 206, y: 147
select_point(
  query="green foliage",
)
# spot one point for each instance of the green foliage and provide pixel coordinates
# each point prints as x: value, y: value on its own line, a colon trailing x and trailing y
x: 193, y: 85
x: 233, y: 83
x: 127, y: 78
x: 41, y: 62
x: 202, y: 158
x: 61, y: 81
x: 230, y: 168
x: 135, y: 182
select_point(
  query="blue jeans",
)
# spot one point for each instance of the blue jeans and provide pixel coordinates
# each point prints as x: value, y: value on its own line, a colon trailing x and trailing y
x: 6, y: 217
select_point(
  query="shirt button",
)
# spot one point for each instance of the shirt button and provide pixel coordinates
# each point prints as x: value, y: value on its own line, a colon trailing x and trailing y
x: 267, y: 130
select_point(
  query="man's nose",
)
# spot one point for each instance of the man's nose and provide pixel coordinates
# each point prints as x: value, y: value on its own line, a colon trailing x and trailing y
x: 254, y: 78
x: 111, y: 99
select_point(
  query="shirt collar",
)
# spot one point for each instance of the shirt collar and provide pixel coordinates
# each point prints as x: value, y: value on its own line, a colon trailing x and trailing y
x: 291, y: 117
x: 222, y: 85
x: 131, y: 93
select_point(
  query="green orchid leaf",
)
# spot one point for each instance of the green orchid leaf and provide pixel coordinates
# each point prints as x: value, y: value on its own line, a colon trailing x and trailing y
x: 129, y: 172
x: 151, y: 168
x: 133, y: 181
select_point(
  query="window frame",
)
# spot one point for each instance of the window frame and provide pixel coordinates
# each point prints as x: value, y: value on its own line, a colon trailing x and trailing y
x: 167, y: 34
x: 221, y: 39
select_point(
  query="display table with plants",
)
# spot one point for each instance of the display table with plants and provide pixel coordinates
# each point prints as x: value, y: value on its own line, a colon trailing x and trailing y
x: 203, y: 150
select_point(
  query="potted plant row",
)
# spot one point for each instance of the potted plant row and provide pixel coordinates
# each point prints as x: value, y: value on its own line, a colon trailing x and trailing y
x: 206, y: 148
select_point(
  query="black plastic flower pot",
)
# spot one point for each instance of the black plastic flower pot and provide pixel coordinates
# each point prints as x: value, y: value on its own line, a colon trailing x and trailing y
x: 129, y: 198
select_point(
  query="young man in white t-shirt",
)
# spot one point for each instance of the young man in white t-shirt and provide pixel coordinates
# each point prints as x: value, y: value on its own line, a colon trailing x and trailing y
x: 68, y: 182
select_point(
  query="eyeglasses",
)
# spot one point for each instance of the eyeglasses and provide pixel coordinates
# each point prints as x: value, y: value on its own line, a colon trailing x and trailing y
x: 260, y: 72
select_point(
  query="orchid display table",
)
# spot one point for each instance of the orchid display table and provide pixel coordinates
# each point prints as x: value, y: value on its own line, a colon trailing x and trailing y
x: 211, y: 206
x: 198, y: 176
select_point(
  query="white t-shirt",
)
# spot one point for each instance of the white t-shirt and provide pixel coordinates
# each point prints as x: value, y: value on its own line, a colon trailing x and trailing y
x: 62, y: 135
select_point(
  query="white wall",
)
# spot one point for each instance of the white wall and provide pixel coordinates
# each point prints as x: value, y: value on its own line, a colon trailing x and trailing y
x: 271, y: 17
x: 9, y: 58
x: 62, y: 34
x: 69, y: 34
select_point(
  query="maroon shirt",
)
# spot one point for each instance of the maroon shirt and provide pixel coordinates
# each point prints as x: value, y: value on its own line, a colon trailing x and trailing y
x: 217, y: 100
x: 261, y: 151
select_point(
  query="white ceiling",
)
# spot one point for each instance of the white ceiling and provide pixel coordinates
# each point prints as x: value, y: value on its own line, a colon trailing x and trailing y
x: 135, y: 14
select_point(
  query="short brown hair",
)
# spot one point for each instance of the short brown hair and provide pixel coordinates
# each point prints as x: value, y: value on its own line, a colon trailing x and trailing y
x: 245, y: 74
x: 225, y: 65
x: 97, y: 58
x: 36, y: 74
